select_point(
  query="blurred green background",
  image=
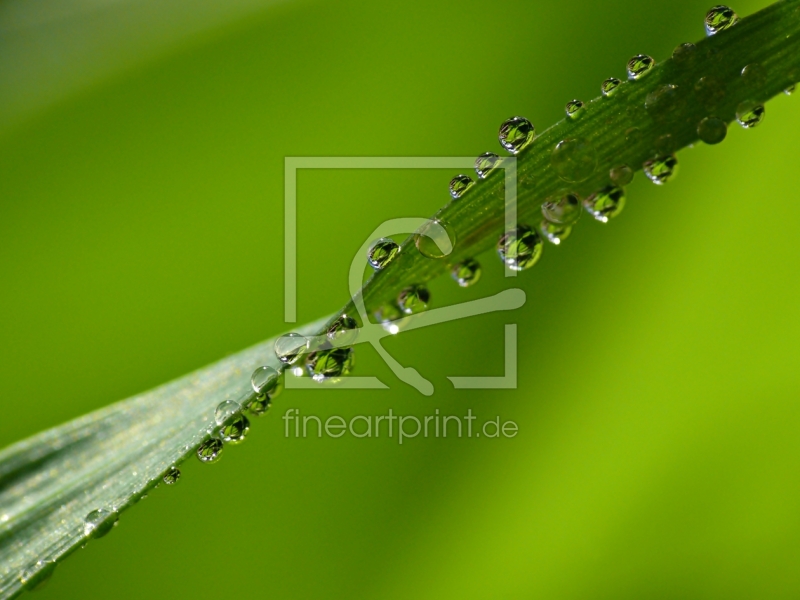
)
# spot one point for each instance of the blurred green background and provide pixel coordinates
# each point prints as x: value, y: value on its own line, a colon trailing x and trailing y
x: 141, y: 237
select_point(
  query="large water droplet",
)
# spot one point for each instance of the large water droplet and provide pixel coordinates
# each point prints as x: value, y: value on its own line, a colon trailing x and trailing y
x: 684, y: 53
x: 459, y: 186
x: 267, y: 384
x: 662, y: 101
x: 720, y: 18
x: 330, y: 365
x: 520, y: 248
x: 486, y: 163
x: 37, y: 576
x: 639, y: 66
x: 712, y: 130
x: 413, y: 299
x: 435, y: 239
x: 516, y: 133
x: 235, y: 429
x: 710, y: 90
x: 754, y: 75
x: 749, y: 114
x: 621, y: 175
x: 99, y: 522
x: 574, y: 109
x: 226, y: 410
x: 553, y: 232
x: 574, y: 159
x: 210, y: 450
x: 605, y: 204
x: 564, y: 210
x: 289, y: 347
x: 467, y: 273
x: 343, y: 331
x: 609, y: 86
x: 264, y: 379
x: 390, y: 317
x: 790, y: 90
x: 172, y: 476
x: 381, y: 252
x: 661, y: 169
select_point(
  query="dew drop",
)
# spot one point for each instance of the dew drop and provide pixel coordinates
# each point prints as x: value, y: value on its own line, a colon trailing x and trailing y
x: 520, y: 248
x: 264, y: 379
x: 172, y: 476
x: 390, y: 317
x: 661, y: 169
x: 710, y: 90
x: 289, y: 347
x: 435, y: 239
x: 343, y: 331
x: 381, y: 252
x: 574, y: 159
x: 749, y: 114
x: 790, y: 90
x: 639, y: 66
x: 554, y: 233
x: 605, y: 204
x: 330, y: 365
x: 562, y: 211
x: 235, y: 429
x: 662, y: 101
x: 459, y: 185
x: 99, y: 522
x: 665, y: 144
x: 225, y: 410
x: 754, y: 75
x: 720, y: 18
x: 37, y: 576
x: 621, y: 175
x: 609, y: 86
x: 485, y: 164
x: 684, y: 53
x: 574, y: 109
x: 467, y: 272
x: 210, y: 450
x: 413, y: 299
x: 712, y: 130
x: 516, y: 134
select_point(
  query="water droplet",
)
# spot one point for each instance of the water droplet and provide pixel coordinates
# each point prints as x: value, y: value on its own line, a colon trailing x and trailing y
x: 574, y: 108
x: 609, y: 86
x: 661, y: 169
x: 790, y: 90
x: 467, y: 273
x: 621, y: 175
x: 289, y: 347
x: 605, y: 204
x: 516, y: 134
x: 574, y: 159
x: 459, y: 186
x: 210, y: 450
x: 99, y: 522
x: 413, y: 299
x: 225, y: 410
x: 639, y: 66
x: 633, y: 135
x: 712, y: 130
x: 562, y: 211
x: 264, y: 379
x: 172, y: 476
x: 390, y: 317
x: 553, y: 232
x: 684, y: 53
x: 343, y: 331
x: 435, y: 239
x: 710, y: 90
x: 719, y: 19
x: 662, y: 101
x: 520, y: 248
x: 665, y: 144
x: 754, y: 75
x: 749, y: 114
x: 330, y: 365
x: 486, y: 163
x: 37, y: 576
x: 235, y: 429
x: 381, y: 252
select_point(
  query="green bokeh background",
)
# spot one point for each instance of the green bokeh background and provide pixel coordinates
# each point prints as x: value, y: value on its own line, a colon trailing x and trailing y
x: 141, y: 237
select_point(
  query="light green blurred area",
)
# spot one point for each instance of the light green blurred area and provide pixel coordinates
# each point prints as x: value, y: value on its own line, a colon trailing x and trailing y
x: 141, y: 237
